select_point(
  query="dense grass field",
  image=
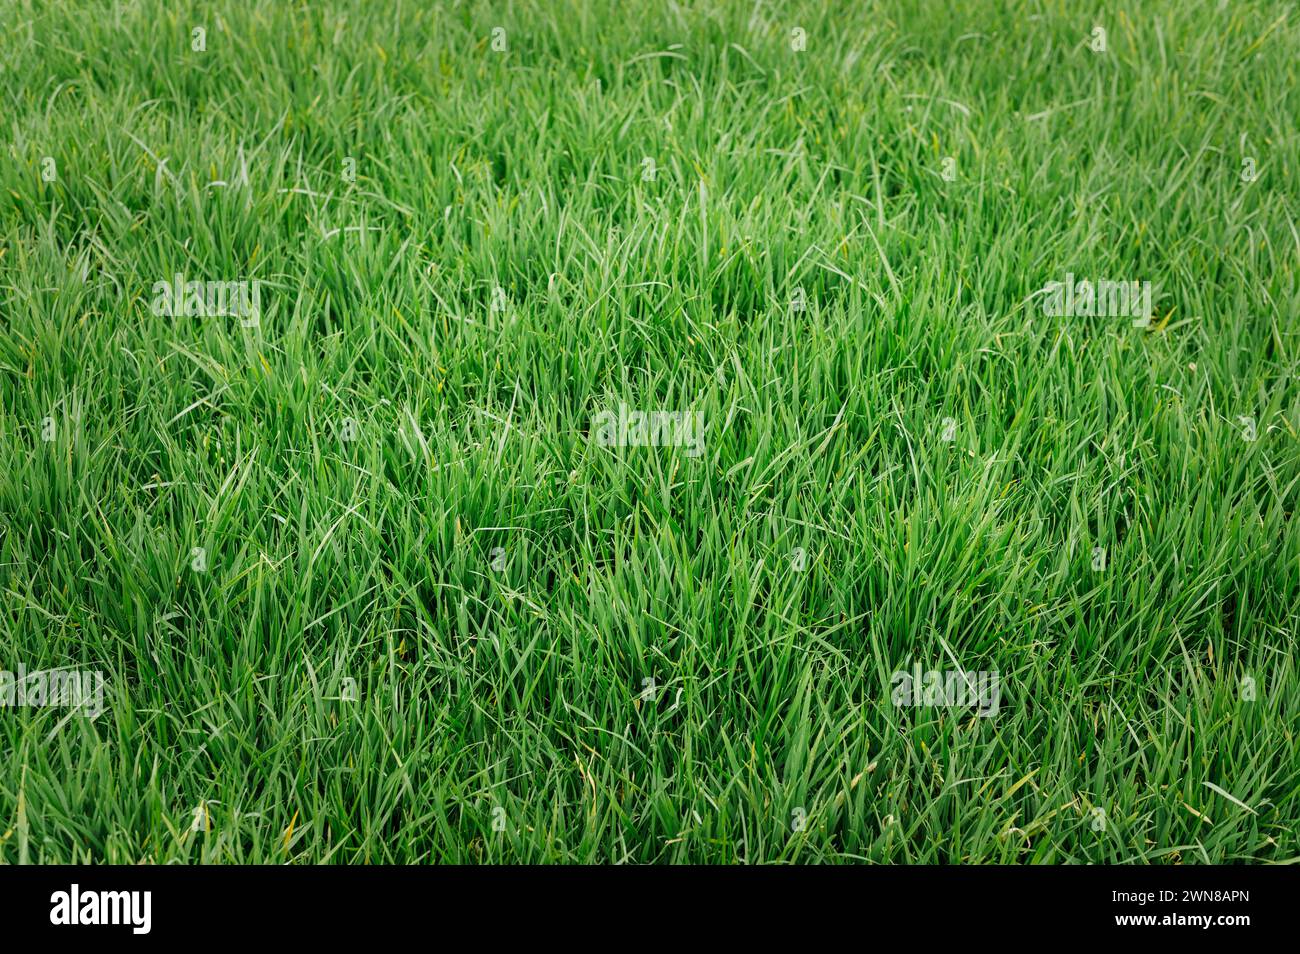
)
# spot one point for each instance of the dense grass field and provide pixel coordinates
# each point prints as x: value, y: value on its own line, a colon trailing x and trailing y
x: 364, y: 585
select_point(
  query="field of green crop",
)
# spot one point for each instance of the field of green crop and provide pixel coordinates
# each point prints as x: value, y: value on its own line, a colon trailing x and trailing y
x: 566, y: 431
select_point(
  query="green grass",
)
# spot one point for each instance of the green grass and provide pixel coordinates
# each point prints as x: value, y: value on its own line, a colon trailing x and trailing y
x: 520, y: 688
